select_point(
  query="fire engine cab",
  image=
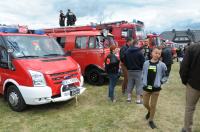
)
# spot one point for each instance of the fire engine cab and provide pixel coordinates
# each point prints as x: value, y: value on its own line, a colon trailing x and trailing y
x: 34, y: 69
x: 123, y: 30
x: 88, y: 46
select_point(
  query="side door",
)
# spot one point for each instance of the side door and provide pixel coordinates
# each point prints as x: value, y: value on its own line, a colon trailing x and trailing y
x: 80, y: 52
x: 3, y: 64
x: 95, y: 52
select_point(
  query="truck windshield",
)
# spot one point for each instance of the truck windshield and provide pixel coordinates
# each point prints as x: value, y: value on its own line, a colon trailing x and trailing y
x: 140, y: 32
x: 33, y: 46
x: 105, y: 42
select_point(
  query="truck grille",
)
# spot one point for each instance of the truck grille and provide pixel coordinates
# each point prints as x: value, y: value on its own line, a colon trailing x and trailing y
x: 59, y: 77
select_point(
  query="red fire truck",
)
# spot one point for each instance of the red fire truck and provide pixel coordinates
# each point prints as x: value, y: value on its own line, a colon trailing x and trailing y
x: 156, y: 40
x: 123, y: 30
x: 88, y: 46
x: 34, y: 69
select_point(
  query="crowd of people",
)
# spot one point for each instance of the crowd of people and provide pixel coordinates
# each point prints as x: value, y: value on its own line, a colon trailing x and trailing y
x: 70, y: 18
x: 148, y: 74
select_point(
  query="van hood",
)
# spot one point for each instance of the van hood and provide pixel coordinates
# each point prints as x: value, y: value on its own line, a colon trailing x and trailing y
x: 49, y: 65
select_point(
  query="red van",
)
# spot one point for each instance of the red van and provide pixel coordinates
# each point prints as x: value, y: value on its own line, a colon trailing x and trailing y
x: 34, y: 70
x: 89, y: 49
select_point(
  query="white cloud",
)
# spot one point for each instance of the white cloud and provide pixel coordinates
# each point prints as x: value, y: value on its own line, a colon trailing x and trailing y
x: 158, y: 15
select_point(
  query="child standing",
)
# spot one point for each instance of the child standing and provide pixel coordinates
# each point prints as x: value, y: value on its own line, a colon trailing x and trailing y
x: 154, y: 74
x: 112, y: 69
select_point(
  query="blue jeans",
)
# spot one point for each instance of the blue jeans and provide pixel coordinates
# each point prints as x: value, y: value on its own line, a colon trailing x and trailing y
x: 113, y: 78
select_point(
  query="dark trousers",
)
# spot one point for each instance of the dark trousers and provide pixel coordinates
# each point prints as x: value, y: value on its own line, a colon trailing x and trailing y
x: 70, y: 23
x: 168, y: 69
x: 113, y: 78
x: 192, y: 97
x: 62, y: 23
x: 125, y: 81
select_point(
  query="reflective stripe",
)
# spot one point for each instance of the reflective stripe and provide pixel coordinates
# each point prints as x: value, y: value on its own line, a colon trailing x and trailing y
x: 149, y: 87
x: 152, y: 68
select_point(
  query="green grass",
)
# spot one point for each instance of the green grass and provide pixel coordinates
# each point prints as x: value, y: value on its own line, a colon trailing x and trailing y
x: 94, y: 113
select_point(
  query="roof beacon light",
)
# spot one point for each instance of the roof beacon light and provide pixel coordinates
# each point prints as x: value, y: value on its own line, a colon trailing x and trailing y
x: 39, y: 32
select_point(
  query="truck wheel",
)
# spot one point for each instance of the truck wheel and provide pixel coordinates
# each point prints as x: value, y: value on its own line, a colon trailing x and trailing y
x: 15, y: 99
x: 94, y: 77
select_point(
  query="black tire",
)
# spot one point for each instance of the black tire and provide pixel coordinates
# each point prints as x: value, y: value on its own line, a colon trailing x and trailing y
x: 94, y: 77
x: 15, y: 99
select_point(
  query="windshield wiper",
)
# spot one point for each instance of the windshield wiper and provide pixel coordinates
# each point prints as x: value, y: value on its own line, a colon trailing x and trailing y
x: 28, y: 56
x: 53, y: 55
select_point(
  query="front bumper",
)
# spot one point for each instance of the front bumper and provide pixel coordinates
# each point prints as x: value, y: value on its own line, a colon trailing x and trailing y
x: 43, y: 95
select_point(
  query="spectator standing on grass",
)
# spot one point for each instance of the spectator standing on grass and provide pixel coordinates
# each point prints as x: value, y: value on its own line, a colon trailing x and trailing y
x: 61, y: 19
x: 167, y: 57
x: 71, y: 18
x: 146, y: 49
x: 134, y: 60
x: 180, y: 54
x: 123, y: 49
x: 189, y: 73
x: 154, y: 74
x: 112, y: 69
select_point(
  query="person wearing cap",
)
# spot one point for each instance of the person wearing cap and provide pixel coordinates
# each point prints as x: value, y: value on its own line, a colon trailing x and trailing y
x: 134, y: 60
x: 112, y: 69
x: 61, y: 19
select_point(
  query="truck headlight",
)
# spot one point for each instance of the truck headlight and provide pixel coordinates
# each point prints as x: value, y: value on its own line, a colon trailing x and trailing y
x: 79, y: 68
x: 38, y: 78
x: 81, y: 81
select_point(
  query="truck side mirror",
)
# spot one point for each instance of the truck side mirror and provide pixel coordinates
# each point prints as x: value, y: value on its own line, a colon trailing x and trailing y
x: 10, y: 50
x: 10, y: 65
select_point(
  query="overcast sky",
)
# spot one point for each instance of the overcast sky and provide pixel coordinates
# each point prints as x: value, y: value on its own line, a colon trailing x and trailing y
x: 158, y: 15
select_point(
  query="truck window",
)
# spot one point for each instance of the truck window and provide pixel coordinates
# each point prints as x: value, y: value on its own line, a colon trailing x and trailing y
x: 91, y: 43
x: 61, y: 41
x: 81, y: 42
x: 3, y: 57
x: 127, y: 33
x: 140, y: 32
x: 105, y: 42
x: 124, y: 33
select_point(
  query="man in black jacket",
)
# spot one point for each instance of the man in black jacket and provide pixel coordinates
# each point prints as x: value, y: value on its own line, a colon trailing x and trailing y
x: 123, y: 49
x: 71, y: 18
x: 134, y: 60
x: 167, y: 57
x: 189, y: 72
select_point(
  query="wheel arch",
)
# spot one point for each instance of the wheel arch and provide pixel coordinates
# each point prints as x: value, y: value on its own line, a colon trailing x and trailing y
x: 8, y: 83
x: 92, y: 66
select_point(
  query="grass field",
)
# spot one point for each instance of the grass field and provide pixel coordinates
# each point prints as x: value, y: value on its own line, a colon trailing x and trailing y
x: 94, y: 113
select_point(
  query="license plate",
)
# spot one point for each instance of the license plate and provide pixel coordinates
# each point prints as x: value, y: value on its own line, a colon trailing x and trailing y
x: 70, y: 92
x: 70, y: 81
x: 74, y: 91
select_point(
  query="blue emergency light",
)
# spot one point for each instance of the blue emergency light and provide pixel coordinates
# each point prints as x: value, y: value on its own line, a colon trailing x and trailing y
x: 19, y: 29
x: 8, y: 29
x: 39, y: 32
